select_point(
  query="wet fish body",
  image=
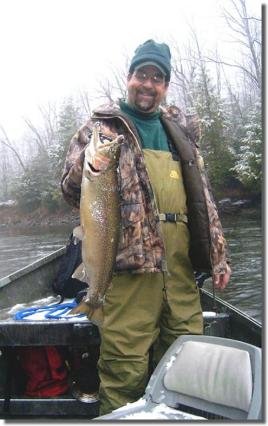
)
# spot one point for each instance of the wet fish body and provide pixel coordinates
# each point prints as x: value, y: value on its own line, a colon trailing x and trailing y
x: 99, y: 218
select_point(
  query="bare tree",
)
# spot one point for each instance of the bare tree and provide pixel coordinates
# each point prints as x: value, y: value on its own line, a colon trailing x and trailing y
x: 247, y: 30
x: 84, y: 99
x: 39, y: 139
x: 115, y: 86
x: 4, y: 172
x: 50, y: 121
x: 184, y: 71
x: 105, y: 90
x: 11, y: 145
x: 203, y: 70
x: 45, y: 134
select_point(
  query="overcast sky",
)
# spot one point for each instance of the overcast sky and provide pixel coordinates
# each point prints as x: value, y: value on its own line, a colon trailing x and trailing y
x: 51, y: 49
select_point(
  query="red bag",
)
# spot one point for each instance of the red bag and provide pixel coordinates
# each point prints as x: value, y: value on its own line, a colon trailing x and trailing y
x: 45, y: 369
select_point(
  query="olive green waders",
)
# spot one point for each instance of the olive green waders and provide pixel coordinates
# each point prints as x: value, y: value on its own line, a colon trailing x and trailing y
x: 155, y: 308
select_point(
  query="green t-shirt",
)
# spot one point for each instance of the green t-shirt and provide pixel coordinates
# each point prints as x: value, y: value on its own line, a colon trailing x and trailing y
x: 149, y: 127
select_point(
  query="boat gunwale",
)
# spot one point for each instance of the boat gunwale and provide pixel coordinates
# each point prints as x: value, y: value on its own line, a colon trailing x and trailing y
x: 31, y: 267
x: 59, y: 252
x: 233, y: 309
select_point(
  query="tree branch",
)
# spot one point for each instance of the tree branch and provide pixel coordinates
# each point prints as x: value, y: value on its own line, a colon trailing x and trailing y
x: 235, y: 66
x: 9, y: 144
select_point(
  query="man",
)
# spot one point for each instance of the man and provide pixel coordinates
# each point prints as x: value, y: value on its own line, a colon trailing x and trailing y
x: 169, y: 227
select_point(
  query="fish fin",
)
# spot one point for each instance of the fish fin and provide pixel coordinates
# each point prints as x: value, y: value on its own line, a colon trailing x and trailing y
x: 78, y: 232
x: 94, y: 315
x: 80, y: 272
x: 82, y: 308
x: 97, y: 316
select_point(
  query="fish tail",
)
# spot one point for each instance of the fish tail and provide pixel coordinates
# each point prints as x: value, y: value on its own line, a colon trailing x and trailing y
x: 97, y: 316
x: 82, y: 308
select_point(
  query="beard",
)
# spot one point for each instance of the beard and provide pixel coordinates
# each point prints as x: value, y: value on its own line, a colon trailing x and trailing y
x: 145, y: 101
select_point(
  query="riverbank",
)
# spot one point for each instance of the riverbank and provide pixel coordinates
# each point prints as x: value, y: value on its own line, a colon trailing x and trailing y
x: 13, y: 217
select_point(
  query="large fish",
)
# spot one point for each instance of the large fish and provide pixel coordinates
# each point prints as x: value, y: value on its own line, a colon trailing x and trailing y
x: 99, y: 221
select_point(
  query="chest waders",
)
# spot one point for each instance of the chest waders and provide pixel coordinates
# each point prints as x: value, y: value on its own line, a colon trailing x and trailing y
x: 154, y: 308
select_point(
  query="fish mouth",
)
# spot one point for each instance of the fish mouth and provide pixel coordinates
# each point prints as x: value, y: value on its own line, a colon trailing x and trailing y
x: 103, y: 155
x: 91, y: 171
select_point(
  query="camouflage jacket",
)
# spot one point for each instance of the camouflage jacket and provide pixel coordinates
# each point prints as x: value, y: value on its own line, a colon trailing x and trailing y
x: 141, y: 247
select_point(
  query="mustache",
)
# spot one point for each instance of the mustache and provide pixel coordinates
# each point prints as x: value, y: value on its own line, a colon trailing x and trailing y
x: 149, y: 92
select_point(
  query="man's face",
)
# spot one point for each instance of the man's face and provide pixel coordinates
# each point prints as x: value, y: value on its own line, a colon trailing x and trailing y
x: 146, y: 88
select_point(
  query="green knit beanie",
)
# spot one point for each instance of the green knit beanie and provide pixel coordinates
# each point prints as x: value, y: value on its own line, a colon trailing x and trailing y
x: 153, y: 53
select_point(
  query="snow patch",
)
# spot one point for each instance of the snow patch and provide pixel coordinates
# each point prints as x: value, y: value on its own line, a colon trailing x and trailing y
x: 137, y: 404
x: 170, y: 362
x: 162, y: 411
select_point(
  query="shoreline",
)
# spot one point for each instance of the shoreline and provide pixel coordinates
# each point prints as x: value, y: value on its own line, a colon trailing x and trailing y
x: 13, y: 218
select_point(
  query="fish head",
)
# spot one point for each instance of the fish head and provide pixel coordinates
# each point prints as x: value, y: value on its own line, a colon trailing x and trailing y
x: 102, y: 153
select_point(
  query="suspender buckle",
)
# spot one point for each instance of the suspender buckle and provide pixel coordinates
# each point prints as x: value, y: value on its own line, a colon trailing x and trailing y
x: 173, y: 217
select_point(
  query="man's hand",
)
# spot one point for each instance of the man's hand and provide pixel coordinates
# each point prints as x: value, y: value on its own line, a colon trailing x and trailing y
x: 220, y: 281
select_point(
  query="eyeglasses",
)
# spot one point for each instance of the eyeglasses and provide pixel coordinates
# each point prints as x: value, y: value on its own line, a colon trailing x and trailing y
x: 143, y: 76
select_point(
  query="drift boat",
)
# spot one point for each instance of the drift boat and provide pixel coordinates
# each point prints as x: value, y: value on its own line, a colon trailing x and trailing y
x: 31, y: 286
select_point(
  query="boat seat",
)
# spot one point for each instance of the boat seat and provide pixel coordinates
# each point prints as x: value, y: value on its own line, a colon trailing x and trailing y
x: 214, y: 376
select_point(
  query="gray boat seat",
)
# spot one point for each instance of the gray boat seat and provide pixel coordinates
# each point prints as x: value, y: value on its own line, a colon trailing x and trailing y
x: 214, y: 376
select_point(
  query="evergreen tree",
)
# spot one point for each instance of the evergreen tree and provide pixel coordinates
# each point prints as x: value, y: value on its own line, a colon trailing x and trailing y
x: 68, y: 123
x: 39, y: 186
x: 214, y: 143
x: 249, y: 158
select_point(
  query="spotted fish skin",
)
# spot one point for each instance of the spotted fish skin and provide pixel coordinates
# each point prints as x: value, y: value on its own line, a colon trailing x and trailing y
x: 99, y: 218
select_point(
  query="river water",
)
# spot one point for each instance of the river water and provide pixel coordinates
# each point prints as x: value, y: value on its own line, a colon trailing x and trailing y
x: 245, y: 290
x: 19, y: 247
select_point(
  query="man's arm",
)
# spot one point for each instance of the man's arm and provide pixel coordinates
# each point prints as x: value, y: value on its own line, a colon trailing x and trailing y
x: 220, y: 281
x: 72, y: 173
